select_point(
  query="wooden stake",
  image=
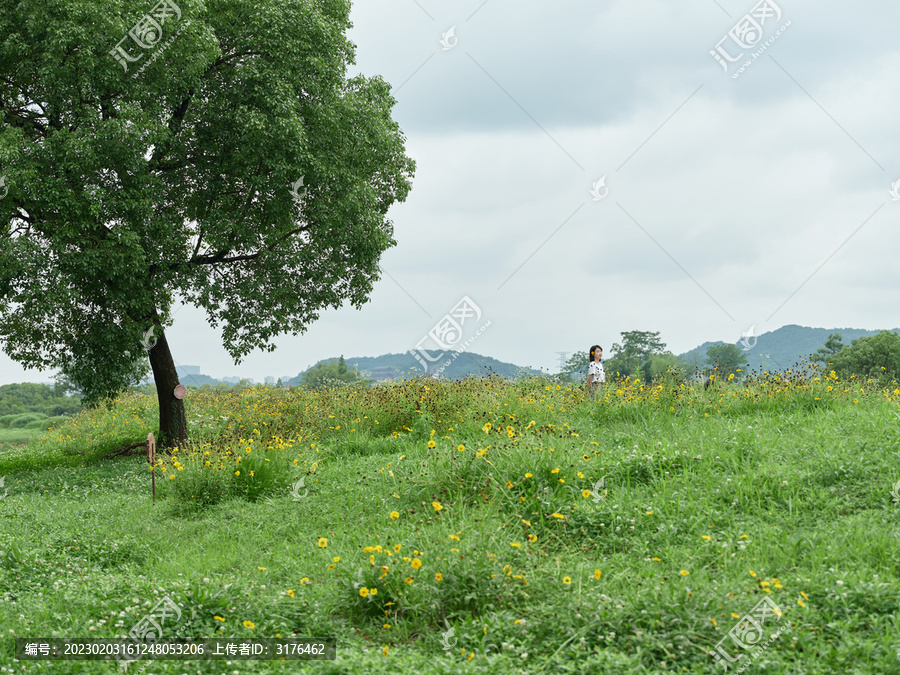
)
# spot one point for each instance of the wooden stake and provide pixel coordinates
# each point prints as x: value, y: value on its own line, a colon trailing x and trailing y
x: 151, y: 457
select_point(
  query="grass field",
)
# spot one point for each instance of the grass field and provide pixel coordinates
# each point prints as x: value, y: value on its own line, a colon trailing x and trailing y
x: 475, y: 527
x: 14, y: 437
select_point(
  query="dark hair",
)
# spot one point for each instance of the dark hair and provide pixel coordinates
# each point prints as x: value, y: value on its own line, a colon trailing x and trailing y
x: 593, y: 349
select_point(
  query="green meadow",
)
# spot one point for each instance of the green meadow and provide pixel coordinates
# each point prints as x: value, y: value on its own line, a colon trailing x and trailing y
x: 482, y: 526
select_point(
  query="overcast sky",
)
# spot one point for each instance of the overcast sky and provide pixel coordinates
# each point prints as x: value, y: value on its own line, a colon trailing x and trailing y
x: 728, y: 202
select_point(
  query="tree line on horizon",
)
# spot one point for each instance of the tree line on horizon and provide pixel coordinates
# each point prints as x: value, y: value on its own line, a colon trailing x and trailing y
x: 642, y: 354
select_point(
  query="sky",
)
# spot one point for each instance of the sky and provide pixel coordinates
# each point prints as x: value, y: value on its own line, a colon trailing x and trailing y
x: 587, y: 168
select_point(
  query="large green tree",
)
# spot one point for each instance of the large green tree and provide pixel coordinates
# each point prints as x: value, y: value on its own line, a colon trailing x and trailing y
x: 726, y: 358
x: 212, y: 152
x: 633, y: 356
x: 873, y: 356
x: 832, y: 346
x: 329, y: 373
x: 575, y: 368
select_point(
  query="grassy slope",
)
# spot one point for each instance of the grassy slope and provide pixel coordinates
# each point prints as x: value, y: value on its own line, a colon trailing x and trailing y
x: 10, y: 438
x: 786, y: 496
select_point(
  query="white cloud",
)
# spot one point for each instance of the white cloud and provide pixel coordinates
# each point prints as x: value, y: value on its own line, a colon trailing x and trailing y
x: 750, y: 186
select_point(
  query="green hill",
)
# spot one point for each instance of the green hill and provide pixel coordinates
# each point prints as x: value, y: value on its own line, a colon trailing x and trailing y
x: 782, y: 348
x: 405, y: 366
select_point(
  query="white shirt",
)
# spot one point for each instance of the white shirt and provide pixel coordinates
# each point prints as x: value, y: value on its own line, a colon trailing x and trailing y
x: 596, y: 369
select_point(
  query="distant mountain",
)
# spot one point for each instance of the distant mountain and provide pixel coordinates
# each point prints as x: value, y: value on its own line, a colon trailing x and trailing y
x: 780, y: 349
x: 405, y: 366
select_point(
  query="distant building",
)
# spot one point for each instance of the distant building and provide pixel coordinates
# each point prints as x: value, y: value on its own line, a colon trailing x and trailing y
x: 230, y: 380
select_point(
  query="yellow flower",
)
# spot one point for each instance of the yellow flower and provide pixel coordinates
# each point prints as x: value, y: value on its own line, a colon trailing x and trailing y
x: 744, y: 536
x: 394, y: 515
x: 397, y: 548
x: 218, y: 618
x: 373, y: 591
x: 249, y: 624
x: 515, y: 544
x: 237, y: 473
x: 585, y: 493
x: 527, y: 522
x: 304, y: 580
x: 714, y: 622
x: 567, y: 580
x: 586, y: 457
x: 800, y: 602
x: 556, y: 470
x: 736, y: 616
x: 291, y: 592
x: 436, y: 506
x: 527, y: 475
x: 460, y: 447
x: 487, y: 427
x: 684, y: 573
x: 385, y: 650
x: 431, y: 444
x: 509, y: 485
x: 597, y: 574
x: 261, y: 569
x: 364, y: 592
x: 323, y: 542
x: 416, y: 563
x: 558, y: 515
x: 408, y: 580
x: 805, y: 596
x: 438, y: 577
x: 707, y: 537
x: 649, y: 513
x: 531, y: 537
x: 337, y: 558
x: 752, y: 573
x: 580, y: 475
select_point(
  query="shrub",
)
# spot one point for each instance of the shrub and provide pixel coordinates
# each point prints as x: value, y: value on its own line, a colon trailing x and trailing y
x: 26, y: 421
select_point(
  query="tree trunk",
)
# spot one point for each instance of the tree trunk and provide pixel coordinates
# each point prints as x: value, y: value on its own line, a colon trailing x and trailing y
x: 172, y: 420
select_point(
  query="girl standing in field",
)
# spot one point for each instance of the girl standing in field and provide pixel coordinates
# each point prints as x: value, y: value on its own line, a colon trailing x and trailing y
x: 596, y: 375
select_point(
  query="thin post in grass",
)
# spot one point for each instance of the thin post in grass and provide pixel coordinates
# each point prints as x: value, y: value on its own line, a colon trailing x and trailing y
x: 151, y: 458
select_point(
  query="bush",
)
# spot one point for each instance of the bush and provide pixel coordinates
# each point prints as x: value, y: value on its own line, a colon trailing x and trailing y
x: 46, y: 423
x: 25, y: 421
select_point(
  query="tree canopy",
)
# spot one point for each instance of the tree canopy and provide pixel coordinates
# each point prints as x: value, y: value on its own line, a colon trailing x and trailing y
x: 726, y: 358
x: 214, y: 153
x: 832, y: 346
x: 633, y: 356
x: 36, y: 398
x: 876, y: 356
x: 329, y: 373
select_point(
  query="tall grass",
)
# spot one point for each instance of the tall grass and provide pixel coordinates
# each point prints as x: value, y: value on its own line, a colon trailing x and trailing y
x: 548, y: 531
